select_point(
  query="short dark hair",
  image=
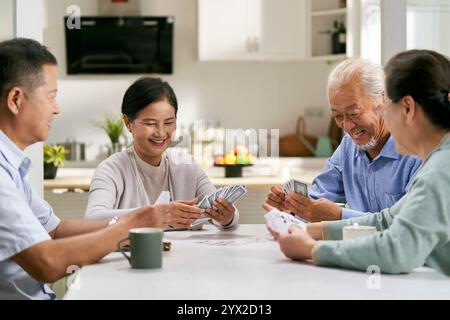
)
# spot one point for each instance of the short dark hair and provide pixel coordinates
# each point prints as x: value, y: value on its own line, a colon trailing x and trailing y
x: 425, y: 76
x: 145, y: 91
x: 21, y: 62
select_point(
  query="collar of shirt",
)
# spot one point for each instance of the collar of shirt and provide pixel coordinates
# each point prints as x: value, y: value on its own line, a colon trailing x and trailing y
x: 388, y: 151
x: 14, y: 155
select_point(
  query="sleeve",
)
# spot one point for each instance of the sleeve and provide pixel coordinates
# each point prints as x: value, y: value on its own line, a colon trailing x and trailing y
x: 329, y: 184
x: 19, y: 227
x: 205, y: 187
x: 405, y: 242
x: 350, y: 213
x: 103, y: 194
x: 42, y: 210
x: 332, y: 230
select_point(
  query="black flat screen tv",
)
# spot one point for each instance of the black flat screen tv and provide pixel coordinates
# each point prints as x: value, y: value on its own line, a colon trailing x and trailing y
x: 105, y: 45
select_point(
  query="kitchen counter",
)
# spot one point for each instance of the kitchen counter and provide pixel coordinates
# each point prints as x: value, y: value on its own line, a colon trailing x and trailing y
x: 267, y: 172
x: 76, y: 178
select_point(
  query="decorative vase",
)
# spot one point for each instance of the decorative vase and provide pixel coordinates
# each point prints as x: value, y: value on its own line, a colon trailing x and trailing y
x: 50, y: 171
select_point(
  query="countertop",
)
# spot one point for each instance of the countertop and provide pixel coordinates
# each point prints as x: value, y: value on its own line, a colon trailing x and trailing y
x: 266, y: 172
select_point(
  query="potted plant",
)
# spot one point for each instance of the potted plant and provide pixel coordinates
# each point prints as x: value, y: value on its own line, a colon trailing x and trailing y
x: 54, y: 157
x: 113, y: 127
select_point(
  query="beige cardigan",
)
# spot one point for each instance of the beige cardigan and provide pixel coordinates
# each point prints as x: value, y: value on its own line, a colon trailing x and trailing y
x: 116, y: 187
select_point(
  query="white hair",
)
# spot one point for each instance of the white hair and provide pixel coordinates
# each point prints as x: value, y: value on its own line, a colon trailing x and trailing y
x: 369, y: 75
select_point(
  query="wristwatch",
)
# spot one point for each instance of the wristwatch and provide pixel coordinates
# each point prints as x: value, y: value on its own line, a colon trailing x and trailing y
x: 113, y: 220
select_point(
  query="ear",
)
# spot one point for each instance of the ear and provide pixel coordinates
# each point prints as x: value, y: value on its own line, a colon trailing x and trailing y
x: 127, y: 122
x: 14, y: 99
x: 409, y: 109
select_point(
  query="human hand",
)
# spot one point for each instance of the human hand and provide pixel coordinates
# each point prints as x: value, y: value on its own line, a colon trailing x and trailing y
x: 184, y: 212
x: 276, y: 198
x: 224, y: 213
x: 313, y: 210
x: 297, y: 245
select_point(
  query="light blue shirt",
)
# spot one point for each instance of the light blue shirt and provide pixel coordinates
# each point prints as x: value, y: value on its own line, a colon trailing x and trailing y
x: 25, y: 220
x: 366, y: 186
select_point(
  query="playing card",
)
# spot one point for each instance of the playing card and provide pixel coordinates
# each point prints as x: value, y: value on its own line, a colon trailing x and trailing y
x: 201, y: 220
x: 300, y: 188
x: 227, y: 192
x: 281, y: 221
x: 211, y: 199
x: 286, y: 188
x: 291, y: 186
x: 236, y: 194
x: 203, y: 204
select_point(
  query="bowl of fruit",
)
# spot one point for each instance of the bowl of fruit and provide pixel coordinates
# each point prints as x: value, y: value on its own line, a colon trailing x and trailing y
x: 234, y: 161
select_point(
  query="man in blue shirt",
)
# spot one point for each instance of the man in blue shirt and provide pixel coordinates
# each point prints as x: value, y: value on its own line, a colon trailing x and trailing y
x: 365, y: 171
x: 35, y: 246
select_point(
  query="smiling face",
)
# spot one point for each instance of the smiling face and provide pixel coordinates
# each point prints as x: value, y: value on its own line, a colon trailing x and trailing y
x: 36, y: 108
x: 358, y: 114
x: 152, y: 130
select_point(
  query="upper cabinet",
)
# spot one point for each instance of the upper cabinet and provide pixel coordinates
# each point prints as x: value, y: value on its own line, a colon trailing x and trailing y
x: 252, y: 29
x: 328, y: 29
x: 275, y: 29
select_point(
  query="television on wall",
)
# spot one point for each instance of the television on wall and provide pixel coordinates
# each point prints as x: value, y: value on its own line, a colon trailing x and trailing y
x: 107, y: 45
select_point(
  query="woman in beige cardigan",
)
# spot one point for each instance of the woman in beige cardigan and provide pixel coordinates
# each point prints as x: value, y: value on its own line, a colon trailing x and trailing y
x: 136, y: 176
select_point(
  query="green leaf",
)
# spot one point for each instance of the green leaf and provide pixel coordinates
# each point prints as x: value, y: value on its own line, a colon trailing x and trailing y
x: 113, y: 127
x: 55, y: 154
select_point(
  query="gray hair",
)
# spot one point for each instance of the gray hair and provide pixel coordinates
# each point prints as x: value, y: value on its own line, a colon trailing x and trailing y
x: 370, y: 76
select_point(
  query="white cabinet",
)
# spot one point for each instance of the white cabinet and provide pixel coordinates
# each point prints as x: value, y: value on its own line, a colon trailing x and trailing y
x: 252, y: 29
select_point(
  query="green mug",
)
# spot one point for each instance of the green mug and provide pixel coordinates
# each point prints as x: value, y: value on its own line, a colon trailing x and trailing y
x: 146, y: 247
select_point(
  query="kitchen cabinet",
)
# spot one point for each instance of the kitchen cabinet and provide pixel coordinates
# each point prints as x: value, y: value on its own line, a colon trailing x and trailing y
x: 275, y: 29
x: 322, y: 16
x: 252, y: 29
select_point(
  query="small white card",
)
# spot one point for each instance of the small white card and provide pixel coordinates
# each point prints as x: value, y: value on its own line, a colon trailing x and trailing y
x: 280, y: 221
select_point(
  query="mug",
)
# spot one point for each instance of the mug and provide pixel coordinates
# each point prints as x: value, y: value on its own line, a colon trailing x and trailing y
x: 146, y: 247
x: 356, y: 231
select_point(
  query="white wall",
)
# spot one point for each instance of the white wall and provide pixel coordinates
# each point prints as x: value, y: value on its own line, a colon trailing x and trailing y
x: 29, y: 24
x: 6, y: 19
x: 238, y: 94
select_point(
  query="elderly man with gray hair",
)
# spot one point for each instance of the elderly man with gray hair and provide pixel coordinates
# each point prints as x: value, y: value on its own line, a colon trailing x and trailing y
x: 365, y: 172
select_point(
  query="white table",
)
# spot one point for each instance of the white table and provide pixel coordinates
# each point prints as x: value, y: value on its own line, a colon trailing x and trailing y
x: 243, y: 264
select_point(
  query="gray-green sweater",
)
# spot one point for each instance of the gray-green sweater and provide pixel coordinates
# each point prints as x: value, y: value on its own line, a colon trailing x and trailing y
x: 413, y: 232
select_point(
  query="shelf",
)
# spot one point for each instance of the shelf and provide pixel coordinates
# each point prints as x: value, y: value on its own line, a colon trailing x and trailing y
x: 333, y: 12
x: 331, y: 57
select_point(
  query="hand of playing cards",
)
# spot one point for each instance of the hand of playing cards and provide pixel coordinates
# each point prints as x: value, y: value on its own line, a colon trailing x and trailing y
x: 230, y: 193
x: 280, y: 221
x: 296, y: 186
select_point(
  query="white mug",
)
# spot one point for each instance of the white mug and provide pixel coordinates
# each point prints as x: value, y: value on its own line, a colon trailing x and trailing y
x: 356, y: 231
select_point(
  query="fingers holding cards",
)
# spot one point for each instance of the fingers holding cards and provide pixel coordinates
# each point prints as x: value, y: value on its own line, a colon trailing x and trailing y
x: 230, y: 193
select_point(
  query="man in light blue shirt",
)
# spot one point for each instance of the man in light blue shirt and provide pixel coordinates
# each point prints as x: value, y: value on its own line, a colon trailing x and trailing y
x: 35, y: 246
x: 30, y: 217
x: 365, y: 172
